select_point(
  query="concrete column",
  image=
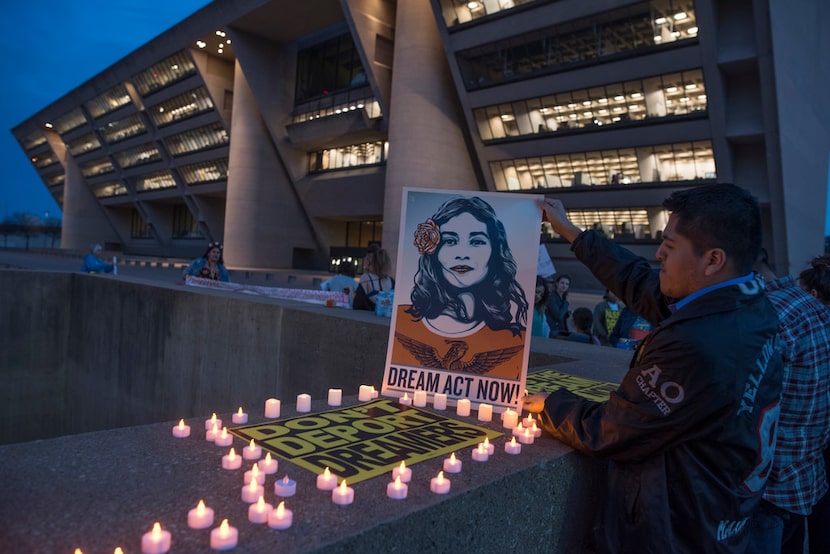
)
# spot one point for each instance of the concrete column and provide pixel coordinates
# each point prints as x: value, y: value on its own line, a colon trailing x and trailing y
x: 426, y: 145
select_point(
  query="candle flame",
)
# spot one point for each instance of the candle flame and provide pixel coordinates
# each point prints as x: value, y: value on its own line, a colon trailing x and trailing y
x: 224, y: 528
x: 260, y: 504
x: 253, y: 485
x: 481, y: 448
x: 452, y: 458
x: 253, y: 444
x: 267, y: 457
x: 440, y: 476
x: 513, y: 441
x: 224, y: 433
x: 239, y: 411
x: 398, y: 482
x: 326, y: 472
x: 254, y: 471
x: 215, y: 429
x: 117, y: 550
x: 486, y: 442
x: 156, y: 530
x: 281, y: 509
x: 181, y: 424
x: 527, y: 431
x: 285, y: 479
x: 232, y: 454
x: 79, y: 551
x: 402, y: 466
x: 200, y: 508
x: 343, y: 486
x: 405, y: 396
x: 213, y: 416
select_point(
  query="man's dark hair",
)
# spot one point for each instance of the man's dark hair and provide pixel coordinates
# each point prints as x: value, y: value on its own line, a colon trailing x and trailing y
x: 719, y: 216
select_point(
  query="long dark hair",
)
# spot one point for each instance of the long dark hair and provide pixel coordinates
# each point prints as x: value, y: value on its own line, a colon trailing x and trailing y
x: 211, y: 246
x: 494, y: 296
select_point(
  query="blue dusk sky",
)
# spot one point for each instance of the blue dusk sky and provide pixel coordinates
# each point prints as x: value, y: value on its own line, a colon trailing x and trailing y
x: 52, y: 47
x: 50, y: 50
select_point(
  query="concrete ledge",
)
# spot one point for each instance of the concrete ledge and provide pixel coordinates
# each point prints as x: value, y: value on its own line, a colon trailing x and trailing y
x: 96, y: 491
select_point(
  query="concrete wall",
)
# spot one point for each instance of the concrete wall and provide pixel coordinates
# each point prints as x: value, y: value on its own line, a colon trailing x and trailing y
x: 83, y: 353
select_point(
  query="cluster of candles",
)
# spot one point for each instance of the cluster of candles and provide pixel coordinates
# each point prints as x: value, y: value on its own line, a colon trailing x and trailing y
x: 225, y: 536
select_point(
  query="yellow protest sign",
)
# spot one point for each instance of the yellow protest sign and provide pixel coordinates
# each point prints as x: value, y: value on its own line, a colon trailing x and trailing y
x: 550, y: 380
x: 364, y: 441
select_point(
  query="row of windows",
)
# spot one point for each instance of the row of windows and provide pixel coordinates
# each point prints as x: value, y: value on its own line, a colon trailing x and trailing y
x: 180, y: 107
x: 171, y: 70
x: 666, y: 95
x: 184, y: 225
x: 116, y: 131
x: 456, y: 12
x: 55, y: 180
x: 33, y: 139
x: 688, y: 161
x: 111, y: 100
x: 625, y: 224
x: 355, y: 155
x: 192, y: 174
x: 369, y: 104
x: 587, y: 39
x: 143, y: 154
x: 69, y: 121
x: 83, y: 144
x: 202, y: 138
x: 45, y: 159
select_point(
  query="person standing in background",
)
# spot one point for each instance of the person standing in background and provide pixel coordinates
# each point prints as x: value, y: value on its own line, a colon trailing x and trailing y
x: 606, y: 314
x: 558, y: 305
x: 540, y: 328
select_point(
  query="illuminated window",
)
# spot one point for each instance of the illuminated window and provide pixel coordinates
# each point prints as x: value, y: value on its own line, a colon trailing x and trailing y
x: 70, y: 121
x: 108, y: 189
x: 336, y: 105
x: 109, y: 101
x: 154, y: 181
x: 33, y: 139
x: 45, y: 159
x: 96, y: 167
x: 205, y: 172
x: 173, y: 69
x: 457, y: 12
x: 202, y: 138
x: 180, y: 107
x: 55, y: 180
x: 140, y: 155
x: 356, y: 155
x: 116, y: 131
x: 83, y: 144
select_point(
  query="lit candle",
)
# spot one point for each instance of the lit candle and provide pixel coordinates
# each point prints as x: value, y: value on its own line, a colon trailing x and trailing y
x: 239, y: 416
x: 272, y: 408
x: 258, y: 513
x: 480, y: 453
x: 280, y: 517
x: 200, y: 517
x: 254, y: 474
x: 181, y: 430
x: 212, y: 433
x: 342, y: 495
x: 396, y: 489
x: 452, y: 464
x: 326, y: 481
x: 209, y: 423
x: 156, y: 541
x: 528, y: 421
x: 252, y: 451
x: 439, y: 484
x: 285, y: 487
x: 463, y: 407
x: 269, y: 465
x: 224, y: 438
x: 489, y: 446
x: 518, y: 430
x: 537, y: 431
x: 365, y: 393
x: 526, y: 437
x: 405, y: 400
x: 512, y: 447
x: 485, y: 412
x: 439, y: 401
x: 118, y: 550
x: 231, y: 460
x: 510, y: 418
x: 403, y: 472
x: 252, y: 491
x: 374, y: 392
x: 303, y: 403
x: 419, y: 398
x: 335, y: 397
x: 224, y: 537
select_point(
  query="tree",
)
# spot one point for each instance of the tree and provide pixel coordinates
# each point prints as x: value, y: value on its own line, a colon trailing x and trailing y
x: 52, y: 229
x: 28, y: 226
x: 7, y: 227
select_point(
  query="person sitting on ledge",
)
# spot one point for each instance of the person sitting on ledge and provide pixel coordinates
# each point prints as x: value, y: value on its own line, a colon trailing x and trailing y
x: 210, y: 265
x: 342, y: 282
x: 94, y: 263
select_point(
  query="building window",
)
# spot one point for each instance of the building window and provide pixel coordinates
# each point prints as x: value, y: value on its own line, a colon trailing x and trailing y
x: 362, y: 233
x: 70, y: 121
x: 84, y: 144
x: 673, y: 94
x: 109, y: 101
x: 116, y: 131
x: 456, y: 12
x: 140, y: 155
x: 138, y: 228
x: 175, y: 68
x: 33, y: 139
x: 688, y: 161
x: 55, y: 180
x: 154, y: 181
x: 337, y: 104
x: 202, y: 138
x: 355, y: 155
x: 205, y: 172
x: 620, y: 224
x: 328, y: 68
x: 43, y: 160
x: 110, y: 188
x: 184, y: 226
x: 96, y: 167
x: 639, y: 27
x: 180, y: 107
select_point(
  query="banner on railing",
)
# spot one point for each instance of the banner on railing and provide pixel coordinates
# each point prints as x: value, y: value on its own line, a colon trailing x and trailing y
x: 327, y: 298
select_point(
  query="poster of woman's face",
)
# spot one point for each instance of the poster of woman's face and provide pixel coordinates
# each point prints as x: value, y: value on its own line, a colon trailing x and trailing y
x: 465, y: 262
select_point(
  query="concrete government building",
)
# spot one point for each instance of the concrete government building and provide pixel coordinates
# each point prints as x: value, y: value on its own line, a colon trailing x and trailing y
x: 288, y: 129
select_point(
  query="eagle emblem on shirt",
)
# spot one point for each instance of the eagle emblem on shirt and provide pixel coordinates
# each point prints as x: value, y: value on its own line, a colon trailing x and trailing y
x: 453, y: 358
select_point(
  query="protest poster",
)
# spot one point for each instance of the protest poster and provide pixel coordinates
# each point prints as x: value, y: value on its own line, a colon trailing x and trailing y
x: 550, y: 380
x: 464, y: 295
x: 364, y: 441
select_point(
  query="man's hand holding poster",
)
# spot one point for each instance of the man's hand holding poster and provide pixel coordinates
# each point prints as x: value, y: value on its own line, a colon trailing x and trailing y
x: 460, y: 323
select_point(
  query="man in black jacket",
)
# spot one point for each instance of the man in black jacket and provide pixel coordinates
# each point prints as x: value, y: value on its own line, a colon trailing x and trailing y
x: 690, y: 431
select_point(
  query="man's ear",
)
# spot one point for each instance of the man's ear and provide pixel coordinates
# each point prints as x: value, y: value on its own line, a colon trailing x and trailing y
x: 715, y: 260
